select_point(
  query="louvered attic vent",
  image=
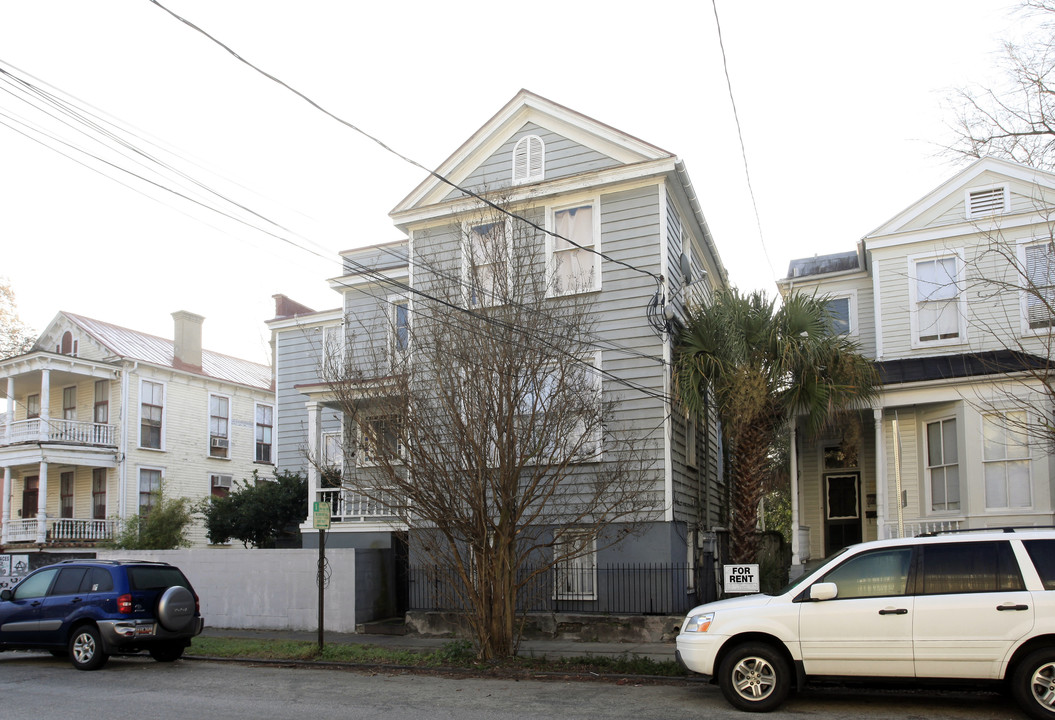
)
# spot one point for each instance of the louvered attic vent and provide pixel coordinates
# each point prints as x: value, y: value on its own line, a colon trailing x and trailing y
x: 987, y: 201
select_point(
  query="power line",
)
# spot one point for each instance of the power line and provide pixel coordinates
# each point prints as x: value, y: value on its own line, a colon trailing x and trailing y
x: 740, y: 134
x: 387, y: 148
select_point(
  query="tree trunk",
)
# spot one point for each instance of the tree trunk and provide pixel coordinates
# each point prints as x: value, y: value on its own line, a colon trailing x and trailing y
x: 749, y: 476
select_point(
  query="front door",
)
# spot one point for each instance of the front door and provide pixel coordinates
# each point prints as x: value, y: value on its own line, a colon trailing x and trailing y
x: 842, y: 511
x: 30, y: 488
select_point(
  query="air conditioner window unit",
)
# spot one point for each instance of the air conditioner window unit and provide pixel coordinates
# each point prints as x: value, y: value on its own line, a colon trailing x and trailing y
x: 221, y: 481
x: 220, y: 442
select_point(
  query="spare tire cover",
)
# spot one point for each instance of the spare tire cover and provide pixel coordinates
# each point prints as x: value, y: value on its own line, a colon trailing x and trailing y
x: 176, y: 608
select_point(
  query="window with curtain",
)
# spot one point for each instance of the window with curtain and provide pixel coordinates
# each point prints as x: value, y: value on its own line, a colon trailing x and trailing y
x: 937, y: 299
x: 573, y: 260
x: 1005, y: 461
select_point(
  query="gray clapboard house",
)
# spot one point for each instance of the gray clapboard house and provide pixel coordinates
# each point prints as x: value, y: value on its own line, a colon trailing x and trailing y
x: 641, y: 246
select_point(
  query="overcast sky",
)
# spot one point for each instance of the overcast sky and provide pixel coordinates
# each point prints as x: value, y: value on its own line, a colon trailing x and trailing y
x: 842, y: 106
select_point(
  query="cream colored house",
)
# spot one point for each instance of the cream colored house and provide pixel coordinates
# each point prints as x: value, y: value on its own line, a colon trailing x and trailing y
x: 953, y: 297
x: 99, y: 417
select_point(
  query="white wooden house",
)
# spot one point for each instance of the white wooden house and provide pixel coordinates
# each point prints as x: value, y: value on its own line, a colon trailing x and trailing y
x: 953, y: 299
x: 99, y: 418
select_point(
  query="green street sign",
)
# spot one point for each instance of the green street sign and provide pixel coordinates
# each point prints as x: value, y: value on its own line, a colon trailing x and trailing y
x: 321, y: 516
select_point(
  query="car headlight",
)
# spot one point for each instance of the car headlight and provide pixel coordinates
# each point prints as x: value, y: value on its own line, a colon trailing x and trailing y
x: 700, y: 622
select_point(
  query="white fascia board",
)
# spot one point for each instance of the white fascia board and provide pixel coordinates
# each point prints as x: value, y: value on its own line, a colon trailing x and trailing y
x: 527, y: 107
x: 361, y: 280
x: 957, y: 183
x: 963, y: 229
x: 537, y: 192
x: 323, y: 317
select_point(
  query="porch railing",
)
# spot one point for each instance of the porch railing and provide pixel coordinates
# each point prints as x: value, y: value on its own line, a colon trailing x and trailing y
x: 349, y: 506
x: 623, y: 589
x: 61, y: 530
x: 62, y: 431
x: 919, y: 527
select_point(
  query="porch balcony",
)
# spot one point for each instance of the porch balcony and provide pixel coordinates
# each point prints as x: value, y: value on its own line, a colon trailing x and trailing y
x: 61, y: 531
x: 67, y: 432
x: 919, y: 527
x: 349, y: 507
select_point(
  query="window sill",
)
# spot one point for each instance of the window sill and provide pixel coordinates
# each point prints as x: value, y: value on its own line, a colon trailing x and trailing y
x: 150, y: 449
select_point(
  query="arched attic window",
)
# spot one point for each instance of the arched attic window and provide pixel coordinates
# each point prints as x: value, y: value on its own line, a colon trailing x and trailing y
x: 529, y: 160
x: 69, y: 345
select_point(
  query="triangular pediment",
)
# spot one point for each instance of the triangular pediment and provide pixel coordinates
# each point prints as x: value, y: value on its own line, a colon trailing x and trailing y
x: 985, y: 191
x: 573, y: 144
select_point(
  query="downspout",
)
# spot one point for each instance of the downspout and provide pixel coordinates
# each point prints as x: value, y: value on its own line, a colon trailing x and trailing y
x: 897, y: 478
x: 122, y: 460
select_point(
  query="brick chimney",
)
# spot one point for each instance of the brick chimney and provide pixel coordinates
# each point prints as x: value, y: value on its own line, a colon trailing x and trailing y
x: 187, y: 338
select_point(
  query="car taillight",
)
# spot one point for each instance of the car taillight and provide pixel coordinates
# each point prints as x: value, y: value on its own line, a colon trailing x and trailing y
x: 197, y: 605
x: 124, y: 604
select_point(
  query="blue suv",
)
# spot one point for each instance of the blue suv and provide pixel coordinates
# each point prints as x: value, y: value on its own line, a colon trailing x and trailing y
x: 91, y: 609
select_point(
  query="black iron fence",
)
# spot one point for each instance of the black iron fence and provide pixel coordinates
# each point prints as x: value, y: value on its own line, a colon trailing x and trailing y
x: 625, y: 589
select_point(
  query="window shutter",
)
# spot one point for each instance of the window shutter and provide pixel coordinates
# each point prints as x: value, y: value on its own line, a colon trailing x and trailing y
x: 1040, y: 288
x: 528, y: 160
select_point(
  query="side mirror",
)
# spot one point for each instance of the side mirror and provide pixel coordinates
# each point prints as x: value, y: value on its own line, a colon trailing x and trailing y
x: 6, y: 595
x: 823, y: 591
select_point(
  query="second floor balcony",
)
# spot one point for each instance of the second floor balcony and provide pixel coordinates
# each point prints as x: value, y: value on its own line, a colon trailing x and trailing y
x: 64, y: 432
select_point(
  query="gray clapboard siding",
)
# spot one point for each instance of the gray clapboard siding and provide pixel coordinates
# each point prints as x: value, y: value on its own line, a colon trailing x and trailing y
x: 563, y: 158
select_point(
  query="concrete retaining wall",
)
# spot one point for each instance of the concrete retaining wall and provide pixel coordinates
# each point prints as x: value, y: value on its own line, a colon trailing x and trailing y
x: 271, y: 589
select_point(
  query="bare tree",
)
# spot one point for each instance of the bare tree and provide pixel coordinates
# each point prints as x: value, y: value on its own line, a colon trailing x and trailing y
x: 1017, y: 120
x: 15, y: 337
x: 1015, y: 283
x: 481, y: 421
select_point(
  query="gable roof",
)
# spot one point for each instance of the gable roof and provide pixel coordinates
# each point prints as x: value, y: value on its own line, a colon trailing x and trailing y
x: 527, y: 107
x: 133, y: 345
x: 955, y: 186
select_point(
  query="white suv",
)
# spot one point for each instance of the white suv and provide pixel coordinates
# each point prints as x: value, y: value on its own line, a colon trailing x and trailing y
x: 974, y: 605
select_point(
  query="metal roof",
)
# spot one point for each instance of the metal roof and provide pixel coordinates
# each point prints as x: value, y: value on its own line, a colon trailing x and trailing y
x: 134, y: 345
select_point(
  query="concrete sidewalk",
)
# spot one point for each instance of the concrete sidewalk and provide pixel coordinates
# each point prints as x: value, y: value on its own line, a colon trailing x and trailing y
x: 528, y: 648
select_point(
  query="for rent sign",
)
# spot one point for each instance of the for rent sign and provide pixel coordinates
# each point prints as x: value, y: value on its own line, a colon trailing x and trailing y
x: 741, y: 579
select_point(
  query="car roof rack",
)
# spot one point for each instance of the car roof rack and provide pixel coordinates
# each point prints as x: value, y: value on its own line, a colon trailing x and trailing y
x: 1005, y: 529
x: 108, y: 561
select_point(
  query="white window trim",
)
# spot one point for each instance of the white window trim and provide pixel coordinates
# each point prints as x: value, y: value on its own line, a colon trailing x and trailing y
x: 961, y: 473
x: 529, y: 177
x: 589, y: 557
x: 139, y: 480
x: 1003, y: 412
x: 598, y: 453
x: 394, y: 353
x: 164, y: 415
x: 256, y: 425
x: 986, y: 188
x: 594, y: 201
x: 1024, y: 294
x: 466, y: 241
x: 332, y: 335
x: 230, y: 427
x: 362, y: 456
x: 961, y: 301
x: 851, y: 297
x: 339, y: 435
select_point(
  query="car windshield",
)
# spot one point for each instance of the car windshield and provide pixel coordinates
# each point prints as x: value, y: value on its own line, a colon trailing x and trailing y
x: 801, y: 579
x: 155, y: 578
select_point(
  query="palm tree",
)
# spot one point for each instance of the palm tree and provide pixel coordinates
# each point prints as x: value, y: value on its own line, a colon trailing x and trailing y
x: 763, y: 365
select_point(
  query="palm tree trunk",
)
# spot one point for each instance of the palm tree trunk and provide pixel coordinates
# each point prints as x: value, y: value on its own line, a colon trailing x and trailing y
x: 749, y: 474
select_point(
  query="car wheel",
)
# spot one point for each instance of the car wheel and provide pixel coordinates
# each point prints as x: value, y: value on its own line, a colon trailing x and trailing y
x: 755, y: 677
x: 1033, y: 684
x: 176, y: 608
x: 167, y: 652
x: 86, y: 649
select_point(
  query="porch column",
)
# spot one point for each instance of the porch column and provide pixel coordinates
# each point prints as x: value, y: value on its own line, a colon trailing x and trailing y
x: 877, y: 423
x: 42, y: 500
x: 314, y: 410
x: 10, y: 417
x: 45, y: 406
x: 795, y: 550
x: 5, y: 524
